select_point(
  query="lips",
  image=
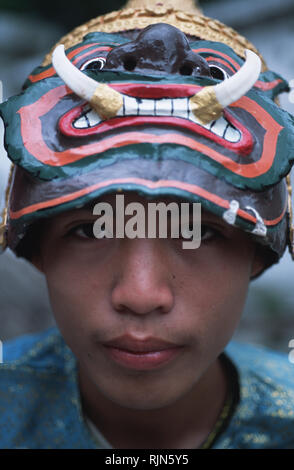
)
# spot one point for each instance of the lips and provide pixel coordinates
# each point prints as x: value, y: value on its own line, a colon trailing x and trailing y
x: 165, y: 105
x: 135, y: 353
x: 175, y: 107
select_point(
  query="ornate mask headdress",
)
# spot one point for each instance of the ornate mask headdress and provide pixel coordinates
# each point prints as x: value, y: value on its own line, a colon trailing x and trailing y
x: 154, y: 98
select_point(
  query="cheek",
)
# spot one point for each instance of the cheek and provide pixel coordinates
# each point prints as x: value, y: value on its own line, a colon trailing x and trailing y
x: 76, y: 292
x: 217, y: 292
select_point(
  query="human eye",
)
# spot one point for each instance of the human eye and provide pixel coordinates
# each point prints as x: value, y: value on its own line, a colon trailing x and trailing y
x: 209, y: 233
x: 82, y: 231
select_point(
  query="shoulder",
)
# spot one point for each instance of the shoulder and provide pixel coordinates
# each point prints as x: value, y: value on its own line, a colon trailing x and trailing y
x: 267, y: 365
x: 41, y: 351
x: 32, y: 366
x: 264, y: 417
x: 39, y: 399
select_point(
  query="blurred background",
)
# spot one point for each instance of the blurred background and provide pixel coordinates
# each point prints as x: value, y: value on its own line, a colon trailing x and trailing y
x: 28, y: 29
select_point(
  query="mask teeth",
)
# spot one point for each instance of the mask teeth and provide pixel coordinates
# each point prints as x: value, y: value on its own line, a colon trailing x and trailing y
x: 176, y: 107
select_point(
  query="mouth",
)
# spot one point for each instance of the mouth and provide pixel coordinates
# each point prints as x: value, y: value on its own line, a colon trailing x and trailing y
x: 138, y: 354
x: 152, y: 105
x: 170, y: 107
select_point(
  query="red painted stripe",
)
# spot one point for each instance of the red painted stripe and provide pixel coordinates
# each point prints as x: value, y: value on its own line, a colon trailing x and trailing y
x: 191, y: 188
x: 51, y: 71
x: 243, y: 147
x: 30, y: 118
x: 97, y: 49
x: 267, y: 85
x: 217, y: 59
x: 225, y: 56
x: 145, y: 90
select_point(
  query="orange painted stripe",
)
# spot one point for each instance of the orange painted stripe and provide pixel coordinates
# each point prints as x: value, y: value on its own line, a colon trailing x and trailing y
x: 97, y: 49
x: 191, y: 188
x: 217, y: 59
x: 267, y: 85
x: 51, y: 71
x: 225, y: 56
x: 49, y: 157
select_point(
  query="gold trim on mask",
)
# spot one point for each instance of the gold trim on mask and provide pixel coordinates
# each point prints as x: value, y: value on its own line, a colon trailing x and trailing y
x: 205, y: 105
x: 3, y: 242
x: 106, y: 101
x: 129, y: 19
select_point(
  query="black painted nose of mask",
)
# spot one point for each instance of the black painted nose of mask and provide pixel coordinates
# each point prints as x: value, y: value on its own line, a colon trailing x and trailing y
x: 158, y: 48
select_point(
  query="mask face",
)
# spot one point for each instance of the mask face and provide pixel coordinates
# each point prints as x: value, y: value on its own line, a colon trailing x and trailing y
x: 55, y: 136
x: 54, y: 131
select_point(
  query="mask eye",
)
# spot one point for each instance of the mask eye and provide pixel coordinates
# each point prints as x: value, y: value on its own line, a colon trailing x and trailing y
x: 94, y: 64
x: 218, y: 73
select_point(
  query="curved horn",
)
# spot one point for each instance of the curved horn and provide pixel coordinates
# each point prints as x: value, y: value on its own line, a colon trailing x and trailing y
x: 208, y: 104
x: 239, y: 84
x: 101, y: 97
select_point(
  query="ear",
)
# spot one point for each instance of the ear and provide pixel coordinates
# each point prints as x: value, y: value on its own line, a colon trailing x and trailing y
x: 258, y: 262
x: 37, y: 262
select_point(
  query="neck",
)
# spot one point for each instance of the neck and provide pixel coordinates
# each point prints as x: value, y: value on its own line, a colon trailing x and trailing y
x: 183, y: 424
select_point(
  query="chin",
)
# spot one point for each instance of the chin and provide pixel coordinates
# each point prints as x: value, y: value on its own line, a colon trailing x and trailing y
x: 150, y: 396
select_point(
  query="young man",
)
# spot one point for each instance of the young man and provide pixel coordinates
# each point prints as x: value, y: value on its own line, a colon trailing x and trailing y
x: 138, y: 109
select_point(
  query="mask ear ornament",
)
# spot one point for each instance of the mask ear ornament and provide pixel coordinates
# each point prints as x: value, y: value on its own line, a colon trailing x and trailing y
x: 230, y: 215
x: 209, y: 103
x: 106, y: 101
x: 260, y: 228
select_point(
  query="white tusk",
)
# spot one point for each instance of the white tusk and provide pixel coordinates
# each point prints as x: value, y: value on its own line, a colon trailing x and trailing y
x: 102, y: 97
x: 238, y: 85
x: 208, y: 104
x: 76, y: 80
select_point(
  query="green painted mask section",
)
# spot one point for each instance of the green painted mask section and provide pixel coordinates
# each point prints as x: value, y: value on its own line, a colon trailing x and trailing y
x: 36, y: 141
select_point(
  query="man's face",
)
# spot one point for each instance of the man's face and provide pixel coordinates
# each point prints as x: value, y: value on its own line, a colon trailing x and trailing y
x: 105, y: 289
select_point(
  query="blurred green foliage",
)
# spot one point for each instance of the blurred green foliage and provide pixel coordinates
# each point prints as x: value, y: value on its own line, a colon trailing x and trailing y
x: 67, y: 12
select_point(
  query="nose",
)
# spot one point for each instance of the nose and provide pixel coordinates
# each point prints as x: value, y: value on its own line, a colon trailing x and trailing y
x: 158, y: 48
x: 143, y: 284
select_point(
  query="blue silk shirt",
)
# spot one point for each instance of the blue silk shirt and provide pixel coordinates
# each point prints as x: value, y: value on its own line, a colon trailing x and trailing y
x: 40, y: 406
